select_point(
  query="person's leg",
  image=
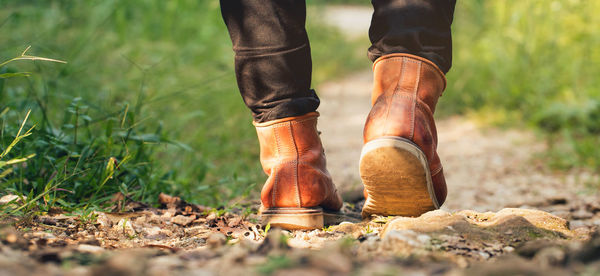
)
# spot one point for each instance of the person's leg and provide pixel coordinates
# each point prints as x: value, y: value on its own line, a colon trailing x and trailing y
x: 272, y: 56
x: 417, y: 27
x: 412, y: 49
x: 273, y: 70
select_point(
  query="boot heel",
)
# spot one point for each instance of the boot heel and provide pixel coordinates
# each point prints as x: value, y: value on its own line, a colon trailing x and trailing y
x: 397, y: 178
x: 293, y: 218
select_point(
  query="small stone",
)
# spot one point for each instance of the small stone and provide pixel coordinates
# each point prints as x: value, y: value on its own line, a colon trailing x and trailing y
x: 508, y: 249
x: 216, y: 240
x: 550, y: 256
x: 484, y: 255
x: 593, y: 207
x: 126, y: 262
x: 169, y: 213
x: 574, y: 224
x: 8, y: 198
x: 234, y: 222
x: 103, y: 220
x: 11, y: 238
x: 167, y: 262
x: 168, y: 199
x: 371, y: 243
x: 125, y: 227
x: 87, y: 248
x: 183, y: 220
x: 423, y: 238
x: 331, y: 261
x: 582, y: 214
x: 211, y: 216
x: 402, y: 241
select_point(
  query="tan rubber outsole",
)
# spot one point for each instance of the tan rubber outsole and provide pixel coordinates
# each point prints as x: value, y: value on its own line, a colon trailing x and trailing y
x: 293, y: 218
x: 397, y: 178
x: 301, y: 218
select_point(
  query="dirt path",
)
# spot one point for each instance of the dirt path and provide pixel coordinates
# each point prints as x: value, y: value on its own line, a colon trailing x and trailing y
x: 552, y: 231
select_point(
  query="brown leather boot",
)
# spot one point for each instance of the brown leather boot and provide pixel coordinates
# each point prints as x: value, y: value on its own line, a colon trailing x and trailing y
x: 299, y: 188
x: 399, y: 165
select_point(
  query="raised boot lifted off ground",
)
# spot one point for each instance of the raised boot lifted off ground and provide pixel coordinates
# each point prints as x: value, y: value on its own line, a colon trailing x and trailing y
x: 399, y: 165
x: 299, y: 193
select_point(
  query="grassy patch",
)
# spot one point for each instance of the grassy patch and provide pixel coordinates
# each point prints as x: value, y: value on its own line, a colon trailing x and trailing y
x: 531, y: 64
x: 146, y: 104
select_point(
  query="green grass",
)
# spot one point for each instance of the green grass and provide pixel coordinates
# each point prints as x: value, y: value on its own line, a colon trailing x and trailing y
x: 147, y: 102
x: 531, y: 63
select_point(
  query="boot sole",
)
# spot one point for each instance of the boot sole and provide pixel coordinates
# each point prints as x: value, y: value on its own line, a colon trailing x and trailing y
x: 397, y: 178
x: 301, y: 218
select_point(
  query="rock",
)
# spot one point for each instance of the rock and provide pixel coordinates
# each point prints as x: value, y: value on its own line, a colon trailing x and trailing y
x: 524, y: 224
x: 235, y: 221
x: 484, y: 255
x: 211, y: 216
x: 331, y: 260
x: 589, y: 251
x: 274, y: 241
x: 354, y: 229
x: 103, y: 220
x: 168, y: 200
x: 87, y: 248
x: 301, y: 272
x: 164, y: 265
x: 582, y: 214
x: 511, y: 265
x: 8, y: 198
x: 593, y: 207
x: 574, y: 224
x: 9, y: 235
x: 124, y: 226
x: 183, y: 220
x: 155, y: 233
x: 11, y: 238
x: 550, y: 256
x: 47, y: 255
x: 125, y: 262
x: 397, y: 239
x: 216, y: 240
x: 531, y: 248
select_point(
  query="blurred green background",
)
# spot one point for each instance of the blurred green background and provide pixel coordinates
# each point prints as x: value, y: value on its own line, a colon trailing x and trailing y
x: 148, y: 103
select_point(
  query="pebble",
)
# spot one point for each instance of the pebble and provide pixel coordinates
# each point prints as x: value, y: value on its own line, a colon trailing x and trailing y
x: 582, y: 214
x: 508, y: 249
x: 550, y: 256
x: 331, y: 261
x: 182, y: 220
x: 103, y: 220
x: 11, y: 238
x: 574, y: 224
x: 484, y: 255
x: 8, y: 198
x: 124, y: 226
x: 87, y: 248
x: 216, y: 240
x: 402, y: 239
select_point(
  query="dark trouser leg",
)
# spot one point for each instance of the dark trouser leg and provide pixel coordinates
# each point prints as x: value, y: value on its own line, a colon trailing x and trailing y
x: 418, y: 27
x: 272, y: 56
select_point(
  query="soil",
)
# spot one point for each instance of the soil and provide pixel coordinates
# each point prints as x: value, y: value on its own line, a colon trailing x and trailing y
x: 506, y: 213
